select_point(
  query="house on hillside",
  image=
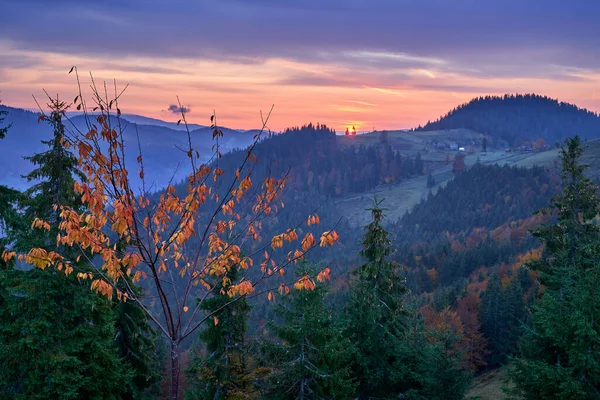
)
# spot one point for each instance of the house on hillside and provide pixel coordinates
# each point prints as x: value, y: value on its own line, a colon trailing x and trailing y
x: 454, y: 146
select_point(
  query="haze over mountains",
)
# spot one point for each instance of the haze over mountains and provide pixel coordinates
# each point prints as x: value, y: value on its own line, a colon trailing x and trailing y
x: 160, y: 141
x: 508, y: 120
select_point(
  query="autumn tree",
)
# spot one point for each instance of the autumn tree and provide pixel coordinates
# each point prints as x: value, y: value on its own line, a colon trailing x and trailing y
x: 475, y: 344
x: 560, y: 349
x: 175, y: 240
x: 312, y: 358
x: 459, y: 163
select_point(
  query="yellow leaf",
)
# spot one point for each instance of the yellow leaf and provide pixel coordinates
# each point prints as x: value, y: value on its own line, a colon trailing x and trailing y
x: 185, y: 308
x: 216, y: 320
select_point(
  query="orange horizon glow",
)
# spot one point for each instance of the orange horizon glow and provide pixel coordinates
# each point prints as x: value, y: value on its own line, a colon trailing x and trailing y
x: 239, y: 92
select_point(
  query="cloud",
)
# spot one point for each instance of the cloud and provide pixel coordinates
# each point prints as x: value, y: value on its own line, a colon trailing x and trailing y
x: 462, y: 34
x: 175, y: 109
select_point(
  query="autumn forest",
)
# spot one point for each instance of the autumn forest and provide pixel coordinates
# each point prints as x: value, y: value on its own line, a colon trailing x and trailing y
x: 301, y: 264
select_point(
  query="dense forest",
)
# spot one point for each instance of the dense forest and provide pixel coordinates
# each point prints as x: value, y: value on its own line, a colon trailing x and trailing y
x: 520, y: 118
x: 465, y: 282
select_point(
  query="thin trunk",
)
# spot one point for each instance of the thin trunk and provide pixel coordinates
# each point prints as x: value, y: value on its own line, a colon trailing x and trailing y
x: 174, y: 370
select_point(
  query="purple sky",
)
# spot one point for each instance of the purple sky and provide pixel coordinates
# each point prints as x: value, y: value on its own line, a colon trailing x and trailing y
x: 320, y: 59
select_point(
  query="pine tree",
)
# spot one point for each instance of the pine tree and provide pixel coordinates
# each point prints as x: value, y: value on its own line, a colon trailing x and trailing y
x: 221, y: 372
x: 312, y: 361
x: 560, y: 350
x: 42, y: 308
x: 493, y: 314
x: 376, y: 313
x: 3, y: 129
x: 9, y: 218
x: 138, y: 347
x: 430, y: 180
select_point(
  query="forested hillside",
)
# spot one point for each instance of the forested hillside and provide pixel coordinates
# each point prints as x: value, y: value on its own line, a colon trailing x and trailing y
x: 520, y: 118
x: 441, y: 293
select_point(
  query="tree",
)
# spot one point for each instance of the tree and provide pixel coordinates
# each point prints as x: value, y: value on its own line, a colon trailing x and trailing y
x: 493, y: 314
x: 3, y: 129
x: 9, y: 217
x: 138, y: 347
x: 430, y: 180
x: 312, y: 361
x: 221, y: 372
x: 56, y: 337
x: 375, y: 313
x: 560, y: 349
x: 419, y: 168
x: 459, y: 163
x: 484, y: 144
x: 384, y: 138
x: 176, y: 239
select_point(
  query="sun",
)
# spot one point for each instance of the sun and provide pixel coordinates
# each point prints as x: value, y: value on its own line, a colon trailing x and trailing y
x: 351, y: 130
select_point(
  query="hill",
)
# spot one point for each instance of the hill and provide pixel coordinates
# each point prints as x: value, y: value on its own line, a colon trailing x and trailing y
x: 516, y: 119
x: 160, y: 143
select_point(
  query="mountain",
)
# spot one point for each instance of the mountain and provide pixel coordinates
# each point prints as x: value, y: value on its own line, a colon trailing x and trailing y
x: 160, y: 142
x: 141, y: 120
x: 520, y: 118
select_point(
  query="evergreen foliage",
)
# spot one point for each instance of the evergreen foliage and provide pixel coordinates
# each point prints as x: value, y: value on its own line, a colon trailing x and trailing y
x: 560, y: 350
x: 221, y: 371
x: 376, y: 316
x: 59, y: 333
x: 312, y: 359
x: 519, y: 118
x: 56, y: 336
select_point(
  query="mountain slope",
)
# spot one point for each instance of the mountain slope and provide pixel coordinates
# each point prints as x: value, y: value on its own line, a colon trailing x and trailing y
x: 519, y: 118
x: 160, y: 145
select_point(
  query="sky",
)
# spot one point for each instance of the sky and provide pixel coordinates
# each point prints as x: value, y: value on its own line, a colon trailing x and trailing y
x: 374, y: 64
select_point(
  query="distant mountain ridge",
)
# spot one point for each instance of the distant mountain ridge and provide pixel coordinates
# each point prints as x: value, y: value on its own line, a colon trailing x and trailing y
x: 519, y: 118
x: 161, y: 143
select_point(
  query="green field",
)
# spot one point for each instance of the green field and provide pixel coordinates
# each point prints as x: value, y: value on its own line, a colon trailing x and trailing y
x: 408, y: 193
x: 489, y: 386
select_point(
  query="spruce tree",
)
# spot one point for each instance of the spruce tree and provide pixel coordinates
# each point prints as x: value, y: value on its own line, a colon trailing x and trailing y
x: 430, y: 180
x: 138, y: 348
x: 312, y: 360
x: 9, y: 217
x: 560, y: 350
x: 56, y: 336
x: 3, y: 129
x: 220, y: 371
x: 493, y: 315
x: 376, y: 314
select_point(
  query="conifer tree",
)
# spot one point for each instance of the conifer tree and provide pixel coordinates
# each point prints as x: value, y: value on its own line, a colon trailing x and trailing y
x: 375, y: 313
x: 430, y: 180
x: 56, y: 336
x: 313, y: 359
x: 138, y: 347
x: 560, y: 350
x: 492, y: 320
x: 221, y: 371
x: 9, y: 218
x: 3, y: 129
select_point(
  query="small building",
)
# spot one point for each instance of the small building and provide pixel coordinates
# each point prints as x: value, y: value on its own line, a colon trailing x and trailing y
x: 461, y: 149
x: 453, y: 146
